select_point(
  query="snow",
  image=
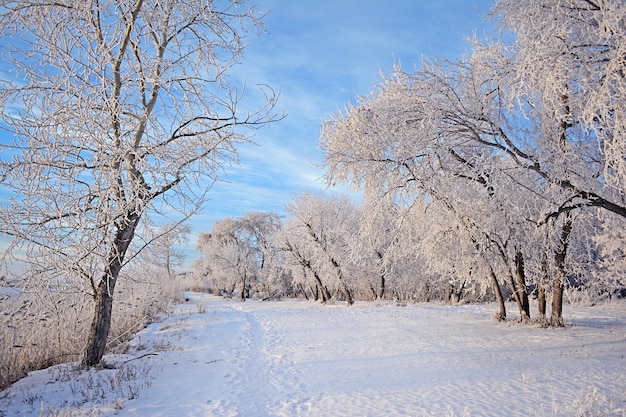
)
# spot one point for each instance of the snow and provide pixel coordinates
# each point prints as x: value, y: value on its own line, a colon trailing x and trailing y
x: 217, y: 357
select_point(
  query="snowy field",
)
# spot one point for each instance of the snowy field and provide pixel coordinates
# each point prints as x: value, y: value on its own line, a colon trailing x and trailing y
x: 217, y: 357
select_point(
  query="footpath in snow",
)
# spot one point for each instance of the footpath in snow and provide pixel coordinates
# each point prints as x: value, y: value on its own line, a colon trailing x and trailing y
x: 217, y: 357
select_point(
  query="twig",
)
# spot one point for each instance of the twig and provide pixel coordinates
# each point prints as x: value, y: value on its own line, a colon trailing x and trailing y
x: 139, y: 357
x: 127, y: 331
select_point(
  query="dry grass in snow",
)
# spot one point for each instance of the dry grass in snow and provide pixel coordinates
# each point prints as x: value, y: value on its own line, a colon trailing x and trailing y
x: 218, y: 357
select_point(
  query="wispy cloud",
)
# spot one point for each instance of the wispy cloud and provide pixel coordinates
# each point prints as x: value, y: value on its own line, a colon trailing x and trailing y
x: 321, y: 54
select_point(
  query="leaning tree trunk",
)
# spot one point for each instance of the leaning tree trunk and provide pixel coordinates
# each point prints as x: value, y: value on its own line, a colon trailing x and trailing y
x: 496, y: 289
x: 521, y: 286
x: 322, y: 288
x: 301, y: 288
x: 306, y: 265
x: 314, y: 292
x: 556, y: 318
x: 101, y: 323
x: 344, y: 287
x: 516, y: 293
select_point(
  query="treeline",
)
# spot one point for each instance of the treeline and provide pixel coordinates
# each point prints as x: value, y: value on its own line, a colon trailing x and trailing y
x: 332, y: 248
x: 501, y: 174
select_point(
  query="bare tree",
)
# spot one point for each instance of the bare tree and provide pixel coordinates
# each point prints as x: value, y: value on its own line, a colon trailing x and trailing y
x: 119, y: 111
x: 165, y: 252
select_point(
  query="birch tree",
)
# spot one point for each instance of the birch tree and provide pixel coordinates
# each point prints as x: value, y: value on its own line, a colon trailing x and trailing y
x: 120, y: 111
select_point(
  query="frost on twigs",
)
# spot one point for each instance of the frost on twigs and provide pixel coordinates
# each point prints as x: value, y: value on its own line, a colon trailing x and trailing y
x: 123, y: 117
x: 504, y: 169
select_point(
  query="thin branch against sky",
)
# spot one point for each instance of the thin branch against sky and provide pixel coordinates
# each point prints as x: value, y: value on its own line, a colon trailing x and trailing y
x: 321, y: 55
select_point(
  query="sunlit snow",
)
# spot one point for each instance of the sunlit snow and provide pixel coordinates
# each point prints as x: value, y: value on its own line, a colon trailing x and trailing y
x: 219, y: 357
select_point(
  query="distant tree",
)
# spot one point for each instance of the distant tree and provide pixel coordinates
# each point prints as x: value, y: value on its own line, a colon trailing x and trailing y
x: 375, y: 246
x: 163, y: 250
x: 231, y: 259
x: 119, y: 111
x: 324, y: 226
x: 238, y: 251
x: 301, y: 261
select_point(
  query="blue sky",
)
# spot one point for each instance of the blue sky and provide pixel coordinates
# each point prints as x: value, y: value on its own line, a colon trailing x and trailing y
x: 322, y: 54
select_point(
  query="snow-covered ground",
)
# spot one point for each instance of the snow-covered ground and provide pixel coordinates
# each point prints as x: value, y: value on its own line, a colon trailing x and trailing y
x: 217, y: 357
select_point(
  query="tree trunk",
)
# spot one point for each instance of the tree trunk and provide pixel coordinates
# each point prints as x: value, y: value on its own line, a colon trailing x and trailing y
x: 373, y: 295
x: 500, y: 300
x: 516, y: 294
x: 314, y: 292
x: 541, y: 305
x: 324, y: 291
x: 519, y: 300
x: 243, y: 295
x: 346, y: 292
x: 333, y: 261
x: 301, y: 288
x: 228, y: 292
x: 521, y: 286
x: 381, y: 289
x: 306, y: 265
x: 101, y: 323
x: 541, y: 294
x: 556, y: 319
x: 342, y: 282
x: 100, y: 326
x: 454, y: 294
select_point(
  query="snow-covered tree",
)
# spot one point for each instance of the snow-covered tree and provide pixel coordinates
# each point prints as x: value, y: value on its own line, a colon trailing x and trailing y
x: 501, y: 143
x: 322, y: 227
x: 300, y: 259
x: 239, y: 251
x: 258, y: 230
x: 374, y: 246
x: 568, y: 55
x: 119, y: 111
x: 164, y: 248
